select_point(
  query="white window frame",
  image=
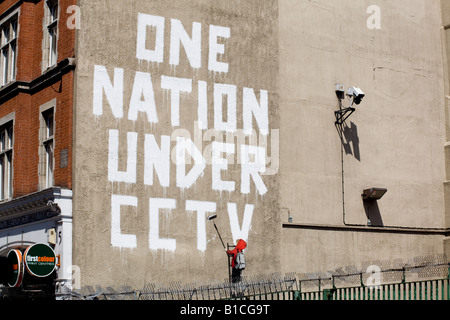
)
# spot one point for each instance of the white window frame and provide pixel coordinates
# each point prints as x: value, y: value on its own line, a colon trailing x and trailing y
x: 50, y: 44
x: 8, y: 48
x: 47, y: 145
x: 6, y: 157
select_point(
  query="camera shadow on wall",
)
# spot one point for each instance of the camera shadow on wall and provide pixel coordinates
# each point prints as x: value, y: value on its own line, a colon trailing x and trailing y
x: 373, y: 213
x: 350, y: 145
x: 349, y: 139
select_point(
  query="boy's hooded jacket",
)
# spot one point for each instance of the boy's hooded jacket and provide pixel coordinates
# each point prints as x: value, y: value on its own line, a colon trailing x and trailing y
x: 241, y: 245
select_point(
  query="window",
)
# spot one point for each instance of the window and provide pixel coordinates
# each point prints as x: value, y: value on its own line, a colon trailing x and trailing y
x: 52, y: 33
x: 46, y: 165
x: 6, y: 154
x: 48, y: 147
x: 8, y: 50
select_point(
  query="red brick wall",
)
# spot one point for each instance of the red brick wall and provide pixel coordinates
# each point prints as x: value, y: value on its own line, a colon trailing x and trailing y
x: 6, y: 4
x: 26, y: 105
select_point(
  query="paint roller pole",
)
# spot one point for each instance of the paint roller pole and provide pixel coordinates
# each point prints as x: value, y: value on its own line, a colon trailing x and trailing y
x: 210, y: 218
x: 228, y: 256
x: 219, y: 235
x: 229, y: 264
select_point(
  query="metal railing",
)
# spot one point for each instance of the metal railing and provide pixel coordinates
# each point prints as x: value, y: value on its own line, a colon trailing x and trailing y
x: 421, y: 278
x: 268, y: 287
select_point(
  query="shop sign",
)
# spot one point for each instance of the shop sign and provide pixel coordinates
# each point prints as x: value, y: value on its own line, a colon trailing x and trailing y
x: 39, y: 260
x: 15, y: 260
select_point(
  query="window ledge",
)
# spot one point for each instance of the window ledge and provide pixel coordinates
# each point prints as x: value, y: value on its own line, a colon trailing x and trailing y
x: 50, y: 76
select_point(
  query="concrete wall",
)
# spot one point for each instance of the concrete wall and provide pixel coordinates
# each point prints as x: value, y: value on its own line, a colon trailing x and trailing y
x: 394, y: 139
x: 140, y: 243
x: 445, y: 35
x: 293, y: 53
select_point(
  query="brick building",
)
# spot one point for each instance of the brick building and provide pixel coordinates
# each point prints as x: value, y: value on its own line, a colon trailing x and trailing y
x: 36, y: 112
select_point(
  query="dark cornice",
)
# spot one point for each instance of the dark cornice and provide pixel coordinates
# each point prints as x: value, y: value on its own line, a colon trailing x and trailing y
x: 48, y: 78
x: 15, y: 6
x: 30, y: 208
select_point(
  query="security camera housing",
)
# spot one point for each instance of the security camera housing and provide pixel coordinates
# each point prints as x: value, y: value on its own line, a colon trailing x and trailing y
x: 356, y: 93
x: 340, y: 91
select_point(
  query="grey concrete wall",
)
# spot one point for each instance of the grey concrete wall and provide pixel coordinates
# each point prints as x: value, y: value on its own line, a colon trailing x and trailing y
x: 314, y: 250
x: 294, y: 52
x: 394, y: 139
x: 445, y: 35
x: 187, y: 247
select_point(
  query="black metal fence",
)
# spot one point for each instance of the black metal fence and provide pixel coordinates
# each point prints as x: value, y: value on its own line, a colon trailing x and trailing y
x: 273, y: 286
x: 421, y: 278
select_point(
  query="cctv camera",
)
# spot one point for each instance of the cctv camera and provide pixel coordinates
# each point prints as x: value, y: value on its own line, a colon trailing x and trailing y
x: 356, y: 93
x: 340, y: 91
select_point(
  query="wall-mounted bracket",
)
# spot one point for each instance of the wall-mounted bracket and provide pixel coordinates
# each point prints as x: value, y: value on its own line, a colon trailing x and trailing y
x: 342, y: 114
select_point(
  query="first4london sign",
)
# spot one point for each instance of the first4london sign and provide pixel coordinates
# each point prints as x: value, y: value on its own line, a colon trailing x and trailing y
x: 39, y: 260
